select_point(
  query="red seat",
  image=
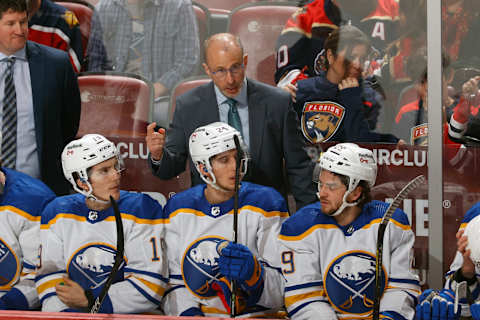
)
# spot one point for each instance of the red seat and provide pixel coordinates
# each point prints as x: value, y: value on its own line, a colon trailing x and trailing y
x: 114, y: 104
x: 84, y: 12
x: 259, y: 25
x: 182, y: 87
x: 223, y: 6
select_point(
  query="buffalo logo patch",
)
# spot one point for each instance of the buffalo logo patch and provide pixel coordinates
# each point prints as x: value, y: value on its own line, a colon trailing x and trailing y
x: 91, y: 265
x: 321, y: 119
x: 9, y: 266
x: 200, y: 266
x: 350, y: 282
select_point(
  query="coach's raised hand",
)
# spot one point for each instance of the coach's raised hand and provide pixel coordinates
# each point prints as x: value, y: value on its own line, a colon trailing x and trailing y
x: 155, y: 141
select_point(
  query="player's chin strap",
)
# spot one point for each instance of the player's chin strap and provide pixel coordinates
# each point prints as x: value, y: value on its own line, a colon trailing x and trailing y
x: 89, y: 194
x: 345, y: 204
x: 213, y: 183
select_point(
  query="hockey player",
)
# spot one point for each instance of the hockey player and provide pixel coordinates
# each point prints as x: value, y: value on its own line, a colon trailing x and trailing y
x: 337, y: 105
x: 328, y: 248
x: 199, y: 222
x: 435, y: 305
x: 22, y: 199
x: 79, y: 243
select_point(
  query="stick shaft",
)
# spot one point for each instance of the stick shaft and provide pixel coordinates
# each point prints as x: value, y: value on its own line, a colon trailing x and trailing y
x: 118, y: 258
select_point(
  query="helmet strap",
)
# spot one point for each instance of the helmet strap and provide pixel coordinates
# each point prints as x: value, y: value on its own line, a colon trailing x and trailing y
x: 89, y: 194
x: 344, y: 204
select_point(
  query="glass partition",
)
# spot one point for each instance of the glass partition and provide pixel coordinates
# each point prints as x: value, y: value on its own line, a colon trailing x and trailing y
x: 141, y: 53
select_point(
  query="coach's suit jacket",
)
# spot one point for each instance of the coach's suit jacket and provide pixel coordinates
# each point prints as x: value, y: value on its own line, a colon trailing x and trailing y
x: 274, y: 137
x: 56, y: 108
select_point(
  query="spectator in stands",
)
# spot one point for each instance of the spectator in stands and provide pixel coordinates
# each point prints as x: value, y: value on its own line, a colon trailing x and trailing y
x: 260, y: 112
x: 338, y: 105
x: 80, y: 237
x: 301, y: 41
x: 22, y: 199
x: 55, y: 26
x: 460, y: 20
x: 155, y: 39
x: 41, y: 100
x: 463, y: 115
x: 411, y: 122
x: 96, y: 53
x: 412, y: 36
x: 201, y: 272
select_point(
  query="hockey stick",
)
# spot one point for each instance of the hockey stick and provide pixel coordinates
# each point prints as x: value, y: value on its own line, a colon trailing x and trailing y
x: 233, y: 296
x: 381, y: 233
x: 118, y: 258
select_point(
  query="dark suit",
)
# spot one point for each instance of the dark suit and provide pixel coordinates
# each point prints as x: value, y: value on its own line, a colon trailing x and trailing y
x: 56, y: 108
x: 274, y: 136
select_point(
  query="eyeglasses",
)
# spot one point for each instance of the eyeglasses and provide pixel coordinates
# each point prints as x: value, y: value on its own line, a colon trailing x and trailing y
x: 234, y: 71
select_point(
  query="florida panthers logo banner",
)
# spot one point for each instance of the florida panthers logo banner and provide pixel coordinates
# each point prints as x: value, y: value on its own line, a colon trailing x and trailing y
x: 321, y: 119
x: 350, y: 282
x: 9, y: 266
x: 200, y: 266
x: 91, y: 265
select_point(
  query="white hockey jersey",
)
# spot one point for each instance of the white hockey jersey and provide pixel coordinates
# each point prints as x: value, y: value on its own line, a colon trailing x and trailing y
x: 194, y: 227
x: 81, y: 243
x: 474, y: 288
x: 330, y: 269
x: 21, y: 204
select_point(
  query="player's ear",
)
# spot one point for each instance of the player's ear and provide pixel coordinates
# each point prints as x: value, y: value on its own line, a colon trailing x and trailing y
x: 82, y: 184
x: 203, y: 170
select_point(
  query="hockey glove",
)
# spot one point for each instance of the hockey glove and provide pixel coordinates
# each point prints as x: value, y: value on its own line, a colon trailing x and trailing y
x: 475, y: 310
x: 437, y: 305
x: 443, y: 306
x: 237, y: 262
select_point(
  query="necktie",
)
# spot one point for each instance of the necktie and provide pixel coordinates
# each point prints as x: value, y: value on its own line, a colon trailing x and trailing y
x: 233, y: 116
x: 9, y: 123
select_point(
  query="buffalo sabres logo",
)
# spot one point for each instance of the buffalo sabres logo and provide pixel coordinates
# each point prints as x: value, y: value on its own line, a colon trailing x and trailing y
x: 419, y: 135
x: 9, y: 266
x: 91, y: 265
x: 350, y: 282
x: 200, y: 266
x: 321, y: 119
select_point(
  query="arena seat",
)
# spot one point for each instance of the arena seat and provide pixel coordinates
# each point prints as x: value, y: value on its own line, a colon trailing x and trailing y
x: 259, y: 25
x: 119, y: 106
x: 223, y: 6
x: 114, y: 104
x: 183, y: 87
x: 84, y: 12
